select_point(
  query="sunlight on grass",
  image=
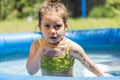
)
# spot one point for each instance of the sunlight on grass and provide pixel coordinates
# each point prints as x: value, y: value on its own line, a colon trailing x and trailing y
x: 94, y: 23
x: 17, y: 26
x: 23, y: 26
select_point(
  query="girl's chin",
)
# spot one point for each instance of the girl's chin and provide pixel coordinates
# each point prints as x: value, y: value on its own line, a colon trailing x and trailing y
x: 54, y: 41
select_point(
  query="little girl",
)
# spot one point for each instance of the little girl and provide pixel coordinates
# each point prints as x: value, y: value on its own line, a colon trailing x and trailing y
x: 54, y: 54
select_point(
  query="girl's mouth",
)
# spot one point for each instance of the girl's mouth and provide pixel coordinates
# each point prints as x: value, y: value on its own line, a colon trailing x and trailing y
x: 53, y: 38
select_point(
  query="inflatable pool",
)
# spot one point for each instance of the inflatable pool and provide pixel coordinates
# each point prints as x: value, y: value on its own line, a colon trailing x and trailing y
x: 97, y: 39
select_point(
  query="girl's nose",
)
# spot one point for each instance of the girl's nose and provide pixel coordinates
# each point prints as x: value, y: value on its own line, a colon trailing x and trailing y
x: 52, y: 31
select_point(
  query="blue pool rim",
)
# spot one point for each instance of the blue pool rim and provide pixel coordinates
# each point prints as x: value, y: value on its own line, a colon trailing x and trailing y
x: 25, y: 77
x: 21, y: 41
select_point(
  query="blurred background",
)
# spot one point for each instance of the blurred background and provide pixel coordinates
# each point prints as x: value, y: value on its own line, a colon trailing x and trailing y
x: 21, y: 15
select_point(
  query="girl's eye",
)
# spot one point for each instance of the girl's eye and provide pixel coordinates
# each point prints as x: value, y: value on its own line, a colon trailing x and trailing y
x: 47, y: 25
x: 57, y: 26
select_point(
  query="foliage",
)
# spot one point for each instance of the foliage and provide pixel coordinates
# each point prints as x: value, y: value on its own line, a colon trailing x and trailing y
x: 18, y: 8
x: 6, y: 6
x: 11, y: 9
x: 110, y: 9
x: 113, y: 3
x: 102, y: 11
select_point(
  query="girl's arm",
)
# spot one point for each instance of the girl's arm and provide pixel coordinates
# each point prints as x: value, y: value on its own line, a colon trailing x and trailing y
x: 34, y: 60
x: 79, y: 53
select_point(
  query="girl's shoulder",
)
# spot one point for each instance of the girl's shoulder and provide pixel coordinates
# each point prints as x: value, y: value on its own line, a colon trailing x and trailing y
x: 75, y: 49
x: 73, y: 45
x: 36, y: 43
x: 71, y: 42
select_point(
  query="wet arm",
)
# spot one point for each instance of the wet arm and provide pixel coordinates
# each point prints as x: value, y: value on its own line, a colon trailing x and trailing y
x: 34, y: 60
x: 84, y: 59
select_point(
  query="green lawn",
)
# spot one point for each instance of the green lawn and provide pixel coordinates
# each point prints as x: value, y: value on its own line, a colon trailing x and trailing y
x: 23, y: 26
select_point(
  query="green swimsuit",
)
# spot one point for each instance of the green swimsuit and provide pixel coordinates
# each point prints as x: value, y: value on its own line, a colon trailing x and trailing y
x: 57, y: 64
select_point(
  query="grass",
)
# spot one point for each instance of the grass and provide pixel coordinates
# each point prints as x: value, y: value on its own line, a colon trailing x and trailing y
x: 17, y: 25
x: 90, y: 23
x: 21, y: 25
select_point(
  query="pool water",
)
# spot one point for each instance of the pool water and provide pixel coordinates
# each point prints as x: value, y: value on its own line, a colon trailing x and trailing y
x: 15, y: 63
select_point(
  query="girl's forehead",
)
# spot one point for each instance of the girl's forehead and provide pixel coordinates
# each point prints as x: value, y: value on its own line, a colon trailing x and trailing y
x: 51, y: 17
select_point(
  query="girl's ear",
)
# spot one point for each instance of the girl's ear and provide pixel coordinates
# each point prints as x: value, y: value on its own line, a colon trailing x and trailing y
x: 66, y: 26
x: 39, y: 28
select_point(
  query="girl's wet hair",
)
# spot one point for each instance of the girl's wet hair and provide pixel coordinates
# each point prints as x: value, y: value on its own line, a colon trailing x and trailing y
x: 53, y: 0
x: 53, y: 6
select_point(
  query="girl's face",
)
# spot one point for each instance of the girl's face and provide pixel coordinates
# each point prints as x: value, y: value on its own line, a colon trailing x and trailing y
x: 52, y: 28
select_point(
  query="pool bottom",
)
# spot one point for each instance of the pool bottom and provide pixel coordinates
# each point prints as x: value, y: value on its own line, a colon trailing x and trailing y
x: 16, y: 63
x: 19, y: 68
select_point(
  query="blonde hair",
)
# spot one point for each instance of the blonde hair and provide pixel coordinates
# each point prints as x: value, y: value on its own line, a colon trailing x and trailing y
x: 53, y: 6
